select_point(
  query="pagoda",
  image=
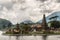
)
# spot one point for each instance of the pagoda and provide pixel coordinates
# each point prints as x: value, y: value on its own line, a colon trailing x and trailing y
x: 44, y: 23
x: 17, y: 29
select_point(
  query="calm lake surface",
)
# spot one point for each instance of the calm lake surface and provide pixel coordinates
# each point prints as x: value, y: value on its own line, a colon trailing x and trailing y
x: 51, y: 37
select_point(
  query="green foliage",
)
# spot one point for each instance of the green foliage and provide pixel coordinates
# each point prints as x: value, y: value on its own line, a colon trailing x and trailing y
x: 4, y: 24
x: 55, y: 24
x: 25, y: 27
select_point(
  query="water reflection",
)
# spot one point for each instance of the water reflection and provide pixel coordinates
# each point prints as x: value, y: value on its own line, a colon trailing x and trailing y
x: 14, y: 38
x: 9, y: 37
x: 34, y: 38
x: 27, y: 37
x: 17, y: 37
x: 44, y: 37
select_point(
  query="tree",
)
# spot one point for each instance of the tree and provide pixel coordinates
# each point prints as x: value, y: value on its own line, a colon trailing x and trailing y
x: 9, y: 24
x: 26, y: 27
x: 55, y: 24
x: 4, y: 26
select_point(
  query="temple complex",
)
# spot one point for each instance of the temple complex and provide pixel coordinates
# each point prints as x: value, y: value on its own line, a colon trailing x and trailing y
x: 34, y: 27
x: 41, y: 26
x: 15, y: 30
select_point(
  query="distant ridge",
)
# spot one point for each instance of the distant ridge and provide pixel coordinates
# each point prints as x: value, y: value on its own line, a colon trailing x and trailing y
x: 27, y: 21
x: 4, y: 23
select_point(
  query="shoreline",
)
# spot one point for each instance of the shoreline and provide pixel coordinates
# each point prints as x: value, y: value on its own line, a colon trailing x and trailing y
x: 28, y: 34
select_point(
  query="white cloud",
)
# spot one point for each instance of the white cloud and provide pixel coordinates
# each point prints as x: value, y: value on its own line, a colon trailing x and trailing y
x: 21, y: 10
x: 4, y: 1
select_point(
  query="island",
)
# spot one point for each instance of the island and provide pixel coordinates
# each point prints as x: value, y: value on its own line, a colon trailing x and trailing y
x: 34, y: 29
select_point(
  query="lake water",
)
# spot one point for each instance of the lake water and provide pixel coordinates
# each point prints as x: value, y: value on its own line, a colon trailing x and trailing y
x: 51, y: 37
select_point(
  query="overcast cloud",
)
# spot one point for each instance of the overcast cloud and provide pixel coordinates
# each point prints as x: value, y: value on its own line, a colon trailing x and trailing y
x: 20, y: 10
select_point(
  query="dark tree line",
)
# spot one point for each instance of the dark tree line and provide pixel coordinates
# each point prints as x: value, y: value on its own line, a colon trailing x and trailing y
x: 54, y: 22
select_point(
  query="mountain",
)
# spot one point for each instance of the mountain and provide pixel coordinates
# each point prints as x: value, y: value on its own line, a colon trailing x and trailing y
x: 53, y: 14
x: 4, y: 23
x: 27, y: 22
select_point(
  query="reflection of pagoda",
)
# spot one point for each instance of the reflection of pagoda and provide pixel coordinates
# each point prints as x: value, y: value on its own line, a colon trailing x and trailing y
x: 44, y: 24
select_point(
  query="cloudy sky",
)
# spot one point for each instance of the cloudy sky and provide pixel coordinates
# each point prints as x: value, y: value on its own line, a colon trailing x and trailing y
x: 20, y: 10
